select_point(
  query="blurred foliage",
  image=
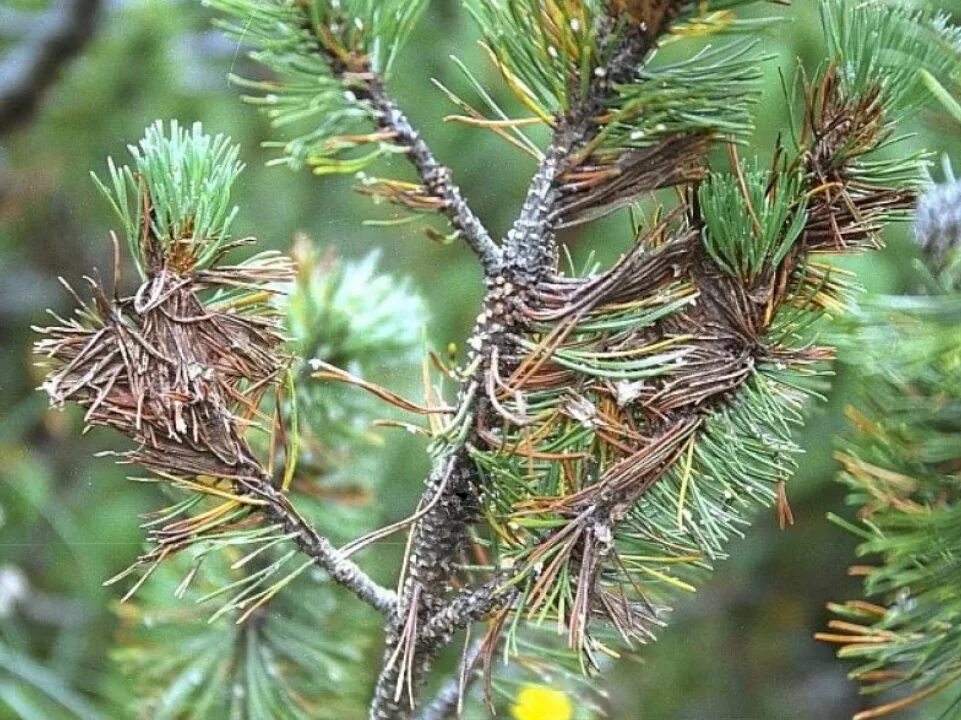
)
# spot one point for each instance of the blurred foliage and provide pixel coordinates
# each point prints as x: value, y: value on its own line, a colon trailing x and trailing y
x: 741, y: 648
x: 900, y: 463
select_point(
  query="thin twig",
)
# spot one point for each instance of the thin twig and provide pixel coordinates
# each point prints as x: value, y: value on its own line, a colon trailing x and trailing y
x: 436, y: 177
x: 530, y: 250
x: 341, y: 569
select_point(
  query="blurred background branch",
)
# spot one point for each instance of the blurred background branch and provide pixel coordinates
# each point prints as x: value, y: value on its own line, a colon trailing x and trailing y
x: 49, y: 41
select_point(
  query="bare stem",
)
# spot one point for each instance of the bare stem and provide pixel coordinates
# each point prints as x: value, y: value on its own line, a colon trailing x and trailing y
x: 436, y: 177
x: 368, y: 86
x: 530, y: 251
x: 342, y: 570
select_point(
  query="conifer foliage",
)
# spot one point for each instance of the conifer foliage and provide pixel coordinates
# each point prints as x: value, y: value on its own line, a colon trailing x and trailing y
x: 610, y: 429
x: 900, y: 465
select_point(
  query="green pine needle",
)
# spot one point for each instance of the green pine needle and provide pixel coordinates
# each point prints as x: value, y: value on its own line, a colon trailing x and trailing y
x: 713, y: 92
x: 900, y: 469
x: 752, y: 219
x: 183, y: 178
x: 910, y: 41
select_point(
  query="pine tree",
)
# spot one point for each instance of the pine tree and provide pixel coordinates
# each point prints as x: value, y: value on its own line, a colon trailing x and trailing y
x: 900, y: 465
x: 611, y: 427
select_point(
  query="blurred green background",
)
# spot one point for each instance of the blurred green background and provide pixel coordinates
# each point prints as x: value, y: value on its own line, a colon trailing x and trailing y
x: 741, y: 648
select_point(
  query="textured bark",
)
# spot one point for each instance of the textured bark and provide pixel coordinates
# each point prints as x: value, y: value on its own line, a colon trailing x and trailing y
x: 529, y: 255
x: 436, y: 177
x: 369, y: 87
x: 447, y: 702
x: 341, y: 570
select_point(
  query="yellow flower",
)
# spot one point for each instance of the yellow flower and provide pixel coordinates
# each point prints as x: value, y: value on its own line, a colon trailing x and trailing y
x: 539, y: 702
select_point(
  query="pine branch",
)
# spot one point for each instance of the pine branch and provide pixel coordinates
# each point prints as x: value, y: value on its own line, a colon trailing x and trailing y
x: 446, y: 703
x: 529, y: 253
x: 899, y: 467
x: 612, y: 428
x: 469, y: 606
x: 637, y: 413
x: 183, y: 365
x: 347, y: 46
x: 618, y: 131
x: 438, y: 540
x: 435, y: 177
x: 899, y: 464
x: 693, y: 404
x: 529, y: 249
x: 303, y: 654
x: 342, y: 570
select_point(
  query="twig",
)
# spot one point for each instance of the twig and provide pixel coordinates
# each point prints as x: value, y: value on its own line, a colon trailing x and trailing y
x: 466, y: 608
x: 530, y: 250
x: 32, y: 68
x: 436, y: 177
x: 340, y: 568
x: 369, y: 86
